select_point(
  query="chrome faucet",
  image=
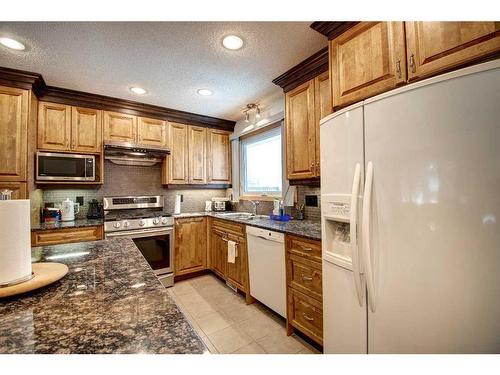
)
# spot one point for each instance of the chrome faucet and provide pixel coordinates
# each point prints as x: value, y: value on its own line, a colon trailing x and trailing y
x: 255, y: 204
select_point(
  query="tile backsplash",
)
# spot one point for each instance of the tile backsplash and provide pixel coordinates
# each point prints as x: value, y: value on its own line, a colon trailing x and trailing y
x: 134, y: 180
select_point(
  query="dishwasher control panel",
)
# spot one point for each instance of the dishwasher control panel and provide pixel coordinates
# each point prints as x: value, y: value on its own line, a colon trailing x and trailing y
x: 266, y: 234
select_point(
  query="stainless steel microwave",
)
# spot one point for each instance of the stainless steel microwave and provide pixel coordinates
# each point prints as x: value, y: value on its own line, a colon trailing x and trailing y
x: 51, y: 166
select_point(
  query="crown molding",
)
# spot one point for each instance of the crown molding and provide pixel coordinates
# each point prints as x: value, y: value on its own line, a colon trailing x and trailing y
x: 332, y: 29
x: 35, y: 82
x: 304, y: 71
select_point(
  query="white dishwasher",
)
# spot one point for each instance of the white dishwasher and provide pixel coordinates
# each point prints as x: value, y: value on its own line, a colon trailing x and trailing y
x: 266, y: 266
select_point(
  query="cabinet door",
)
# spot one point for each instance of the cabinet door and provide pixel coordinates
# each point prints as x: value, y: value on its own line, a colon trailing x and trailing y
x: 86, y: 129
x: 120, y: 127
x: 237, y: 271
x: 366, y: 60
x: 218, y: 253
x: 190, y: 245
x: 13, y: 133
x: 151, y: 132
x: 178, y: 158
x: 300, y: 132
x: 323, y: 107
x: 19, y: 189
x: 219, y: 157
x: 54, y: 127
x: 197, y: 155
x: 433, y: 47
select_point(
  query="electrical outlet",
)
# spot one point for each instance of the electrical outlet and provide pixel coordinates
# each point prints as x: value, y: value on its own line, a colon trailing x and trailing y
x: 79, y: 200
x: 311, y: 200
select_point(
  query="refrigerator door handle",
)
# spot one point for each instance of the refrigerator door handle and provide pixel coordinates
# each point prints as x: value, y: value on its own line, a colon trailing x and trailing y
x: 353, y: 220
x: 365, y: 229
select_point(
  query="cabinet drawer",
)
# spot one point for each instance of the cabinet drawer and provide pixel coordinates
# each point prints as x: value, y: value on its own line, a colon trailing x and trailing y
x: 230, y: 227
x: 304, y: 248
x: 305, y: 314
x: 70, y: 235
x: 305, y: 276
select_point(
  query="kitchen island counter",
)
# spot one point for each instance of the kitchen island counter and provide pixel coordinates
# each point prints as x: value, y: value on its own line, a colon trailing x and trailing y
x: 78, y: 223
x: 109, y: 302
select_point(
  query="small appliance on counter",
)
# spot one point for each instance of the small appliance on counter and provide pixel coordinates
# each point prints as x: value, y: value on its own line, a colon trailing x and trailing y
x: 222, y: 204
x: 95, y: 210
x: 69, y: 209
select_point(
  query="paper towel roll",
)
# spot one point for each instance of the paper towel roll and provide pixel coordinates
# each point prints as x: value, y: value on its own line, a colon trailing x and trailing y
x: 15, y: 242
x: 177, y: 204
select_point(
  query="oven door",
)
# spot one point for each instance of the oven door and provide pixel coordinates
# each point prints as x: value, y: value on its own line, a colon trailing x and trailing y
x: 156, y: 245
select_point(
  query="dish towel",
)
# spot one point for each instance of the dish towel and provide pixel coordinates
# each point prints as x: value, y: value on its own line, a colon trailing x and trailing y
x: 231, y: 251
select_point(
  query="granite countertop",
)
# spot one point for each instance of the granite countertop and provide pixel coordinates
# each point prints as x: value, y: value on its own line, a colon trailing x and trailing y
x: 78, y: 223
x: 109, y: 302
x: 304, y: 228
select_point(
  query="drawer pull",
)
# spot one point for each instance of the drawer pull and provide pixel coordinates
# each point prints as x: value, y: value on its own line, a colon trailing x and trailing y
x: 307, y: 248
x: 306, y: 278
x: 307, y: 317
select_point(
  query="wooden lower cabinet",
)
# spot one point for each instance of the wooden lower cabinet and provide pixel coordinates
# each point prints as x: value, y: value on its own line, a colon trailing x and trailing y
x: 236, y: 273
x: 190, y: 245
x: 19, y: 189
x: 304, y: 279
x: 66, y: 235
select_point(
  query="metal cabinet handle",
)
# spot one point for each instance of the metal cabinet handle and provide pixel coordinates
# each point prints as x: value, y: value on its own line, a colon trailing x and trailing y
x: 307, y: 248
x: 412, y: 64
x: 398, y: 68
x: 306, y: 317
x: 306, y: 278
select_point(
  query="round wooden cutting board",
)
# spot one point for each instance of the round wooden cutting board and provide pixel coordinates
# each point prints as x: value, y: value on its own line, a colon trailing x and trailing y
x: 44, y: 274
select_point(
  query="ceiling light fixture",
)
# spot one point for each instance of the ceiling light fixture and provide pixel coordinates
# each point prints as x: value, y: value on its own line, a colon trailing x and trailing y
x: 138, y: 90
x: 232, y: 42
x: 205, y: 92
x: 251, y: 107
x: 12, y: 44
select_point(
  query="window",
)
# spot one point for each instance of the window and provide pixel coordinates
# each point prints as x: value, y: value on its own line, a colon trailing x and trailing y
x: 261, y: 164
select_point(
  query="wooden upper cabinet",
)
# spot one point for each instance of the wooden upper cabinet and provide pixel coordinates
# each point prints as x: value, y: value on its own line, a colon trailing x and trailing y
x: 86, y: 130
x: 323, y: 107
x: 366, y: 60
x: 120, y: 127
x: 178, y: 171
x: 13, y: 133
x: 54, y: 127
x: 151, y: 132
x: 197, y: 146
x: 300, y: 132
x: 219, y: 157
x: 190, y: 245
x: 434, y: 47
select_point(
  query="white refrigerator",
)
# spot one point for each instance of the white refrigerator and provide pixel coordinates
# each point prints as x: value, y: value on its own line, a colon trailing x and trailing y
x: 410, y: 190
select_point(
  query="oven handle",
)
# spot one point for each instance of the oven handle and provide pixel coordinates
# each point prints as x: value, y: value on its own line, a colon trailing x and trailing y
x: 137, y: 234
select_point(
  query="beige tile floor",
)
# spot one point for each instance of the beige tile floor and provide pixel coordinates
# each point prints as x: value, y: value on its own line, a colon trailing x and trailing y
x: 227, y: 325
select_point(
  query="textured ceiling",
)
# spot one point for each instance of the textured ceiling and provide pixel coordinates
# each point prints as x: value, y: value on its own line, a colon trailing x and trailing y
x: 169, y: 59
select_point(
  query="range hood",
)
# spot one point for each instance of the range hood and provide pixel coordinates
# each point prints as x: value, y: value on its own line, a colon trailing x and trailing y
x: 126, y: 153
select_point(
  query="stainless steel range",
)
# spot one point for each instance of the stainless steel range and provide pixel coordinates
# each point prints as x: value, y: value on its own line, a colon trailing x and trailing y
x: 142, y: 219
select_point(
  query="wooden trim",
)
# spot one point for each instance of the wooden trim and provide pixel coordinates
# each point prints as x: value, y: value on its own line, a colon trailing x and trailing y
x: 197, y: 186
x: 35, y: 82
x: 332, y: 29
x: 268, y: 198
x: 314, y: 182
x: 22, y: 79
x: 304, y: 71
x: 83, y: 99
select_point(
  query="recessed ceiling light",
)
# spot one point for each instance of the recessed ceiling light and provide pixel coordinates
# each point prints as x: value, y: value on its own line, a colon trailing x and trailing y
x: 138, y: 90
x: 205, y: 92
x: 232, y: 42
x: 12, y: 43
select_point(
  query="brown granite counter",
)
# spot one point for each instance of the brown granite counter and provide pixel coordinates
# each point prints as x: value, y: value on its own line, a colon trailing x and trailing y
x: 109, y: 302
x: 78, y: 223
